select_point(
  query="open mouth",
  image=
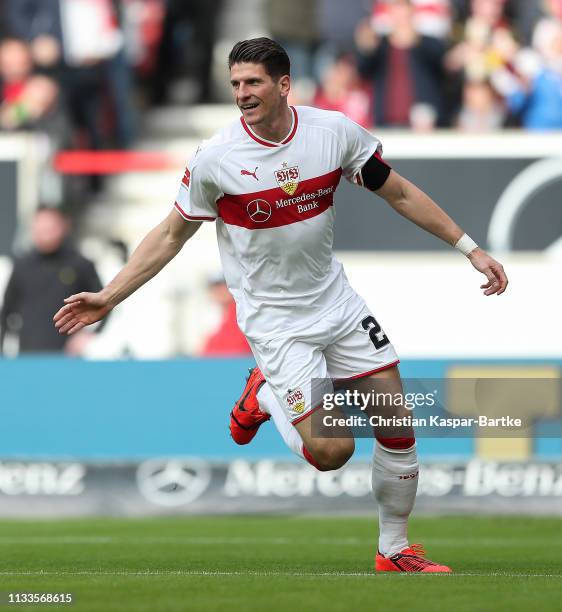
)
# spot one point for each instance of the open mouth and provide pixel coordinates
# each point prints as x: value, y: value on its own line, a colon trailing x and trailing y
x: 249, y: 106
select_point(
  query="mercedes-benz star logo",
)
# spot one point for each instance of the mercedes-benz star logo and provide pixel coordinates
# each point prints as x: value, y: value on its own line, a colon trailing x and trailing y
x: 173, y: 482
x: 259, y: 211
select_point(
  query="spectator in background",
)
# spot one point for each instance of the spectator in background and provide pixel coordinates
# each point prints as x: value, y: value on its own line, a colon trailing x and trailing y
x: 227, y: 340
x: 430, y: 17
x: 487, y: 42
x: 337, y: 21
x: 533, y: 91
x: 486, y: 45
x: 482, y: 111
x: 29, y: 101
x: 552, y: 8
x: 143, y: 22
x: 523, y: 15
x: 185, y: 52
x: 16, y: 68
x: 294, y: 24
x: 40, y: 281
x: 342, y: 90
x: 405, y: 67
x: 82, y: 41
x: 423, y: 117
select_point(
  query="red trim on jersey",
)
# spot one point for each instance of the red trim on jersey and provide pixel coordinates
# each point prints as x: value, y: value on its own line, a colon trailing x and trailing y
x: 254, y: 137
x: 385, y: 367
x: 190, y: 217
x: 267, y: 143
x: 295, y: 125
x: 379, y: 157
x: 260, y: 209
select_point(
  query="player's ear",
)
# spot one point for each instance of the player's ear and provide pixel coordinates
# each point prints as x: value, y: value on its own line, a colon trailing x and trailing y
x: 284, y: 84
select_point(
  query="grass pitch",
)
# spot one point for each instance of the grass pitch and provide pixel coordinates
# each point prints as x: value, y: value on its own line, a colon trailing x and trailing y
x: 279, y: 564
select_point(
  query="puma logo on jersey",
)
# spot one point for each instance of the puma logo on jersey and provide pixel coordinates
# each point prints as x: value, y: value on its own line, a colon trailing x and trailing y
x: 248, y: 173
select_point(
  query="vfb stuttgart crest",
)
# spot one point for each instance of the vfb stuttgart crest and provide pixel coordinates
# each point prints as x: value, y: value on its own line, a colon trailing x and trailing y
x: 295, y: 400
x: 288, y: 178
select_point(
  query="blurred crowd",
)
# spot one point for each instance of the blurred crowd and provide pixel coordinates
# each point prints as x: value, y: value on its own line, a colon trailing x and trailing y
x: 474, y: 65
x: 82, y: 73
x: 82, y: 70
x: 74, y: 61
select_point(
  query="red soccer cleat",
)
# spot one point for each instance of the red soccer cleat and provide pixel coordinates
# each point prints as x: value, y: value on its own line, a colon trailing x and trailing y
x: 410, y: 560
x: 246, y: 416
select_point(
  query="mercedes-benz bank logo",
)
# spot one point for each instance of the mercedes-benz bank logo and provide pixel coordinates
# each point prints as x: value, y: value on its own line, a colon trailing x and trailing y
x: 259, y: 211
x: 173, y: 482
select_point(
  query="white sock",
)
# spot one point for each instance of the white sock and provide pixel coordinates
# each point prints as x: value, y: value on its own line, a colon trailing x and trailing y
x: 268, y: 403
x: 395, y: 496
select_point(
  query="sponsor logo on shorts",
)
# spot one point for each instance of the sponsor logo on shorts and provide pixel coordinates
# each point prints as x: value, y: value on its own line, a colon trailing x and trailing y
x: 288, y: 178
x: 295, y: 400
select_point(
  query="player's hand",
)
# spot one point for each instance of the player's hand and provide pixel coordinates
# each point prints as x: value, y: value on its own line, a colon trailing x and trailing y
x: 80, y: 310
x: 492, y: 269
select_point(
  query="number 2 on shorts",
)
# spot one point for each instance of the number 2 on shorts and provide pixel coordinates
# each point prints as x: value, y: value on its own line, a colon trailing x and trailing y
x: 378, y: 337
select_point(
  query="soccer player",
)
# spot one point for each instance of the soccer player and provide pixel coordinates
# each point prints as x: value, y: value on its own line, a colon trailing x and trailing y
x: 268, y: 181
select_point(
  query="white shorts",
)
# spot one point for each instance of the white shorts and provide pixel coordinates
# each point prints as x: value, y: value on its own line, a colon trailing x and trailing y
x: 345, y: 343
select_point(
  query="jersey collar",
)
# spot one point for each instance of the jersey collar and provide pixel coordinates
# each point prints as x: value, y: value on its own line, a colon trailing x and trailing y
x: 270, y: 143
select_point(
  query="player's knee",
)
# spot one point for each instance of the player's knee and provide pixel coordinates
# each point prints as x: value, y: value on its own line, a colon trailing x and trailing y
x: 332, y: 454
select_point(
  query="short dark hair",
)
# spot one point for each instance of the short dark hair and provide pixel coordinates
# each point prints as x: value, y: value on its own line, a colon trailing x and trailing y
x: 262, y: 51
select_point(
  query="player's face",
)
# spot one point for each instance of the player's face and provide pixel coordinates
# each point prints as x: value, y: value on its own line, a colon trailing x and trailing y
x: 257, y: 95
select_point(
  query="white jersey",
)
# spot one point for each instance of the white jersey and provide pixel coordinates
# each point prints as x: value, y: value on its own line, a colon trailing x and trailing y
x: 274, y: 208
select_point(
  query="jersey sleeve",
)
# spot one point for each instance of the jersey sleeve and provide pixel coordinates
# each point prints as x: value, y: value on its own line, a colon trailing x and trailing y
x: 199, y: 191
x: 359, y: 145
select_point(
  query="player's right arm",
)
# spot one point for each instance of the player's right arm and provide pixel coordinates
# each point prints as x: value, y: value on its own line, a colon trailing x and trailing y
x: 156, y: 250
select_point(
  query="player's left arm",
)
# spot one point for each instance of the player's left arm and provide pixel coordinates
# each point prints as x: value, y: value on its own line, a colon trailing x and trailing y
x: 412, y: 203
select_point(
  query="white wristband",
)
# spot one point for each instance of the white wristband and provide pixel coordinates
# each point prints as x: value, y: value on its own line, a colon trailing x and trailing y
x: 466, y: 245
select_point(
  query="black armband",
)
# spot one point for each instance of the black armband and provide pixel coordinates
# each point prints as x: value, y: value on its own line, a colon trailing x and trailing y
x: 374, y: 173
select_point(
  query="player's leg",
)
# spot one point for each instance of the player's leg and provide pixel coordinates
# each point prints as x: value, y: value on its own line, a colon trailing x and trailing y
x: 256, y: 405
x: 287, y: 397
x: 363, y: 359
x: 325, y: 449
x: 395, y: 475
x: 395, y: 463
